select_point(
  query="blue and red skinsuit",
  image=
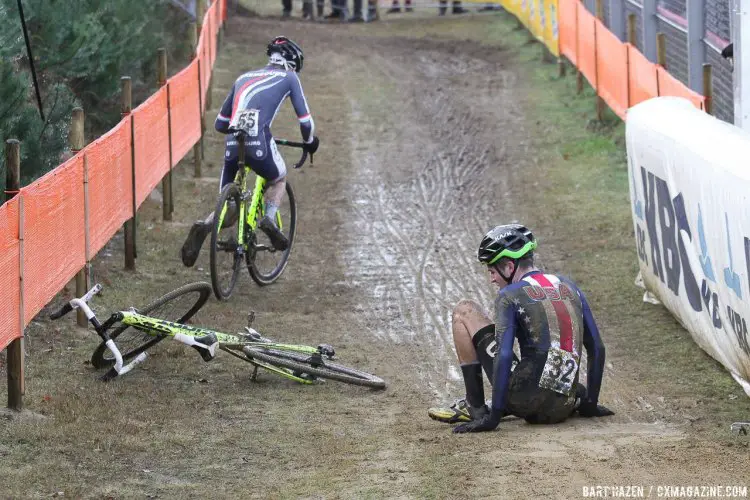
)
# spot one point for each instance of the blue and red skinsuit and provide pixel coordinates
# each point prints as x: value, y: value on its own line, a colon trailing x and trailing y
x: 542, y: 310
x: 264, y: 89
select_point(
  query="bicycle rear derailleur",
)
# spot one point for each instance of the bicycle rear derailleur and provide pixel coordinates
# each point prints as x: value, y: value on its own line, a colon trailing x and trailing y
x: 326, y: 350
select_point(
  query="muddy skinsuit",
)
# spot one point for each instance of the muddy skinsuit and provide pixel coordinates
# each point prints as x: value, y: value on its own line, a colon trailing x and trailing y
x: 550, y: 318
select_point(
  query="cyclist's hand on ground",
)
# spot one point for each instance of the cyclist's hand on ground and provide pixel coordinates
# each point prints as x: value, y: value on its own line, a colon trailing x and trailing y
x: 588, y: 409
x: 312, y: 147
x: 487, y: 423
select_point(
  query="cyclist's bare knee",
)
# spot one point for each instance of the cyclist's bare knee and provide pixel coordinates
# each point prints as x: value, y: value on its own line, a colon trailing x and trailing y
x: 471, y: 315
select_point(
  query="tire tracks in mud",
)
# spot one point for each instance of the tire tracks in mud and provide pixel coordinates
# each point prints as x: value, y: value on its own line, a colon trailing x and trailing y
x: 456, y: 172
x: 425, y: 221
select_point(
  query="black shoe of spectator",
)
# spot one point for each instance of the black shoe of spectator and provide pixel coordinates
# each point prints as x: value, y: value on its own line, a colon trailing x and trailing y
x: 409, y: 9
x: 334, y: 15
x: 356, y: 19
x: 459, y: 10
x: 393, y: 10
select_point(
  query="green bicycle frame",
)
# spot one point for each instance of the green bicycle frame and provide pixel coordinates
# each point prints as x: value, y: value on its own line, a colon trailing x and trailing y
x: 255, y: 210
x: 156, y: 327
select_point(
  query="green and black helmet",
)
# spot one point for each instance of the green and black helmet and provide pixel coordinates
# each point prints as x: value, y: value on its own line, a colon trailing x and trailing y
x: 513, y: 241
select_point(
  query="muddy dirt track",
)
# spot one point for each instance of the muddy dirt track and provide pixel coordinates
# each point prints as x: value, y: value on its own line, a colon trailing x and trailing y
x: 425, y: 145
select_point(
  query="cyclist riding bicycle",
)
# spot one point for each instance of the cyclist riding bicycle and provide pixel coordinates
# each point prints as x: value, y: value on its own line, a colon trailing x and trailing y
x: 550, y: 317
x: 259, y: 94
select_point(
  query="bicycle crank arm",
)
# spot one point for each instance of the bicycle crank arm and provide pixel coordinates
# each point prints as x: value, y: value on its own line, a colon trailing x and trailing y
x: 257, y: 247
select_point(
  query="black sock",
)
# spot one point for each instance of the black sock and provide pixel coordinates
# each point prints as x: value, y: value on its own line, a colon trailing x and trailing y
x: 482, y: 340
x: 474, y: 384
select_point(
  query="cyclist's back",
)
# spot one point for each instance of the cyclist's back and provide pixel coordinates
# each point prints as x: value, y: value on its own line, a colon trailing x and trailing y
x: 265, y: 89
x: 551, y: 320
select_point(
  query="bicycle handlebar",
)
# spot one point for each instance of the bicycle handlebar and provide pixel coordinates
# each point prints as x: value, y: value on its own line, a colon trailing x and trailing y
x: 76, y: 303
x: 300, y: 145
x: 101, y: 329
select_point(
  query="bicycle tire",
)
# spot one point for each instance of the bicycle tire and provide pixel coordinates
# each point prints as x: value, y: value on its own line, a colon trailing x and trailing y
x: 256, y: 274
x: 99, y: 359
x: 230, y: 192
x: 300, y: 363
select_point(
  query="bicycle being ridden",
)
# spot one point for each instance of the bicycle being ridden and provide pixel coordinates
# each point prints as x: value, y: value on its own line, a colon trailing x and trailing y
x: 257, y: 95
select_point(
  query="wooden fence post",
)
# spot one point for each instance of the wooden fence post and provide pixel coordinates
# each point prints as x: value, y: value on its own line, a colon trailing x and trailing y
x: 193, y: 33
x: 661, y: 50
x: 77, y: 140
x: 166, y: 182
x: 708, y: 88
x: 600, y: 104
x: 127, y: 107
x: 16, y: 347
x: 632, y: 30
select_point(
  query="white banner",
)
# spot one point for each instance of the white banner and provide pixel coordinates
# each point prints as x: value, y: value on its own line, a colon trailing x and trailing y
x: 689, y: 187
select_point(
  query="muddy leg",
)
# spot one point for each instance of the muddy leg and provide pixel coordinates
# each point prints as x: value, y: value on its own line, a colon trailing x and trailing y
x: 468, y: 319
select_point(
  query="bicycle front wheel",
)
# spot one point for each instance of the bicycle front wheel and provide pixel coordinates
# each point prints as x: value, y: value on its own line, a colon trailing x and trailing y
x: 264, y: 263
x: 178, y: 305
x: 299, y: 363
x: 226, y: 250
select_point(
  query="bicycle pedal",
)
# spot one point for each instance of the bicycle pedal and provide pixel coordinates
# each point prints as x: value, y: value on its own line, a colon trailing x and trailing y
x: 305, y: 376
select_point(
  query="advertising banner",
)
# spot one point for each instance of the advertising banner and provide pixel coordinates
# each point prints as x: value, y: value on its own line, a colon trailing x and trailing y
x: 689, y: 190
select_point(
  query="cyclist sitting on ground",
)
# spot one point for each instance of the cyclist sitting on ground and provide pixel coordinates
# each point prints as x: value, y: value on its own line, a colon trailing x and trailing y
x: 550, y: 317
x: 261, y: 92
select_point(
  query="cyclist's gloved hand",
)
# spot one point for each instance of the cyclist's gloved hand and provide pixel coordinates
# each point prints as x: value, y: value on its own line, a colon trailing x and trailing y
x: 589, y: 409
x: 487, y: 423
x: 312, y: 147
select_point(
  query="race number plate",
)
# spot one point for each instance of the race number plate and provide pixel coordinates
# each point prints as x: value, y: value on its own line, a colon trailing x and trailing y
x: 559, y: 371
x: 246, y: 121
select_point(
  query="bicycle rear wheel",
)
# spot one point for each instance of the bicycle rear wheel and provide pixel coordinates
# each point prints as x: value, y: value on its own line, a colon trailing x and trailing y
x: 266, y: 264
x: 178, y: 305
x: 303, y: 364
x: 226, y: 251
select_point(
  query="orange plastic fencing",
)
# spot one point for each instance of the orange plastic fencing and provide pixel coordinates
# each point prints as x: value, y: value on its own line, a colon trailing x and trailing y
x: 567, y: 29
x: 185, y: 111
x: 641, y: 77
x: 619, y: 73
x: 109, y: 167
x: 151, y: 144
x: 611, y: 59
x: 587, y: 45
x: 50, y: 213
x: 10, y: 284
x: 671, y: 86
x: 53, y: 234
